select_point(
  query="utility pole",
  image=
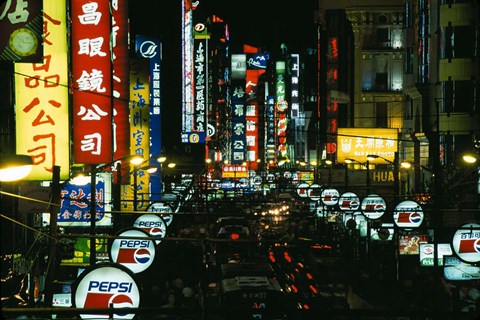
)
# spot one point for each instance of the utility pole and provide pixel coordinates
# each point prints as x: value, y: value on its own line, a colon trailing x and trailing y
x: 53, y: 241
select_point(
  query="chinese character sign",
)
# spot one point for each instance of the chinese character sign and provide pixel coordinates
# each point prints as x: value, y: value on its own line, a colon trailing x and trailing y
x: 92, y: 74
x: 121, y: 128
x: 42, y: 99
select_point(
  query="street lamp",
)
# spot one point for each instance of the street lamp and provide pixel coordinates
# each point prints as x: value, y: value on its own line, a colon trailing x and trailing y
x: 133, y: 159
x: 15, y: 167
x: 396, y: 181
x: 366, y: 165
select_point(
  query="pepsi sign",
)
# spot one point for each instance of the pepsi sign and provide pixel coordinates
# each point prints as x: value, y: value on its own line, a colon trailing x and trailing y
x: 349, y: 202
x: 106, y: 286
x: 330, y: 197
x: 466, y: 242
x: 135, y: 254
x: 373, y: 206
x: 408, y: 214
x: 153, y: 224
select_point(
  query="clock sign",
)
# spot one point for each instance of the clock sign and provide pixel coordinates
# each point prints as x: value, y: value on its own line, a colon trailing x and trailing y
x: 23, y: 42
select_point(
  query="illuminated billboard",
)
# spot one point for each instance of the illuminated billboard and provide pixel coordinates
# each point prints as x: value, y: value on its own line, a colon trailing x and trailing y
x: 357, y: 143
x: 41, y: 98
x: 92, y: 82
x: 121, y: 128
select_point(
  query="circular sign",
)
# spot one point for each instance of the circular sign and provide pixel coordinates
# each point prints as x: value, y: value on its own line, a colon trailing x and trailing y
x: 106, y: 285
x: 287, y: 175
x: 302, y: 189
x: 135, y: 254
x: 466, y: 242
x: 330, y: 197
x: 148, y: 49
x: 270, y: 177
x: 257, y: 180
x: 153, y: 224
x: 373, y: 206
x: 282, y: 105
x: 243, y: 182
x: 314, y: 192
x: 408, y: 214
x: 349, y: 202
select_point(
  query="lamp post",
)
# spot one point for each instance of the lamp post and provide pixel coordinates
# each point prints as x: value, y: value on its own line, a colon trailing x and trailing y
x: 149, y: 169
x: 366, y: 165
x: 396, y: 180
x: 134, y: 159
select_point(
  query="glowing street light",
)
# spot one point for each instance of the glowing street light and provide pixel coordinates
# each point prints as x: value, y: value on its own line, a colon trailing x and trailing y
x: 15, y: 167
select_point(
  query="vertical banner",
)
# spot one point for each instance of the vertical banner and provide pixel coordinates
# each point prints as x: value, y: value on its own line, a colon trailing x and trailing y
x: 270, y: 134
x: 187, y: 66
x: 139, y: 131
x: 281, y: 111
x: 151, y: 49
x: 294, y: 86
x: 121, y: 125
x: 239, y: 99
x: 41, y: 93
x: 21, y: 39
x: 200, y: 85
x: 92, y: 82
x: 332, y: 103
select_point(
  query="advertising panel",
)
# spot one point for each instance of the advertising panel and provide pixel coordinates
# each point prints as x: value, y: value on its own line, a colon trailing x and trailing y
x: 349, y: 202
x: 200, y: 94
x: 427, y: 253
x: 105, y: 286
x: 456, y: 269
x: 373, y: 206
x: 92, y: 82
x: 81, y: 253
x: 281, y: 109
x: 42, y: 122
x: 75, y: 203
x: 238, y: 121
x: 410, y: 243
x: 153, y: 225
x: 139, y: 134
x: 187, y: 67
x: 357, y: 143
x: 408, y: 214
x: 121, y: 128
x: 466, y: 242
x: 135, y: 254
x: 151, y: 49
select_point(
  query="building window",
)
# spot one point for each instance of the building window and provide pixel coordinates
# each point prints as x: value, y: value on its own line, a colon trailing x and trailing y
x: 381, y: 82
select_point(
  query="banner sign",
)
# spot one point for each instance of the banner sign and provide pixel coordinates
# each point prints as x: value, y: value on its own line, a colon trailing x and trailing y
x: 75, y: 203
x: 41, y: 100
x: 92, y: 82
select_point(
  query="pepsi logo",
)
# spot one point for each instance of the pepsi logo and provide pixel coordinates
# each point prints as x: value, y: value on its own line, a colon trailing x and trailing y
x: 127, y: 255
x: 469, y: 246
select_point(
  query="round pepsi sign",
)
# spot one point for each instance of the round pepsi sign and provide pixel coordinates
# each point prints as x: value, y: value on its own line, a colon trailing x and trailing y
x: 373, y: 206
x: 466, y: 242
x: 408, y: 214
x: 349, y: 202
x: 330, y: 197
x: 106, y: 285
x: 135, y: 254
x: 153, y: 224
